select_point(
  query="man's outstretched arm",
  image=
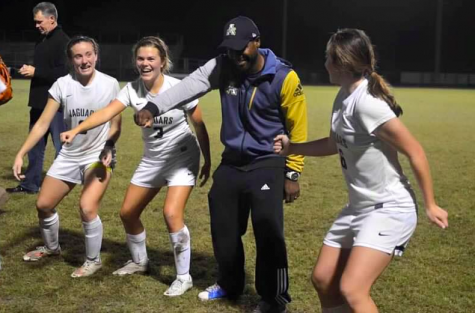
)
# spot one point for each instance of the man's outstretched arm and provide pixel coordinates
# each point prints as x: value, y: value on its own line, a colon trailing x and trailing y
x: 197, y: 84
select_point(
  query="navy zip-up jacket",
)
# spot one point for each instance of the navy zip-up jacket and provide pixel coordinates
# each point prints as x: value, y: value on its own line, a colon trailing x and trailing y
x: 255, y: 108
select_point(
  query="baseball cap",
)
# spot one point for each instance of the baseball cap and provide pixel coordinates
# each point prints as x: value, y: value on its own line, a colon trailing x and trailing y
x: 238, y: 32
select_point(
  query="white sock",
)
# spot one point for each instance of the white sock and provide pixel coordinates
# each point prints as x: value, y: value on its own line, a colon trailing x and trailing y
x: 182, y: 251
x: 49, y: 228
x: 137, y: 247
x: 93, y: 239
x: 344, y: 308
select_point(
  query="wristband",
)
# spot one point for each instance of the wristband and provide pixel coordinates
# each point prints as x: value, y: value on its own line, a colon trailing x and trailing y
x: 110, y: 143
x: 152, y: 108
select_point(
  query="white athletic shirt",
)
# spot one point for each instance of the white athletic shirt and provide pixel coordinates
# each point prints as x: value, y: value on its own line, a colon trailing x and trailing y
x: 78, y: 102
x: 169, y: 129
x: 371, y: 168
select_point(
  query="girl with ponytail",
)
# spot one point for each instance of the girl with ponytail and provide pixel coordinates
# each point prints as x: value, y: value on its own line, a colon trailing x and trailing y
x: 381, y: 214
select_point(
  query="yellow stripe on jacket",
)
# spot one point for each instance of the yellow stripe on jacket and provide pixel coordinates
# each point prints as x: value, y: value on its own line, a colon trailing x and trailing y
x: 294, y: 108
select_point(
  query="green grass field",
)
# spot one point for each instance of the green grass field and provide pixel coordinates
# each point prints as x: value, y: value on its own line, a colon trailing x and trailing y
x: 436, y: 274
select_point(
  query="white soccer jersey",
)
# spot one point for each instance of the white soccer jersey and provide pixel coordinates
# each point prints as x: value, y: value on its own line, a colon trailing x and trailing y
x: 169, y: 129
x: 372, y: 171
x: 78, y: 102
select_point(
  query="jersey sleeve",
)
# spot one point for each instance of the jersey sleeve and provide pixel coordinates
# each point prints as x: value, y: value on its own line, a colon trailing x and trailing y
x: 124, y: 95
x: 116, y: 90
x: 190, y: 105
x: 372, y: 113
x: 294, y: 108
x: 56, y: 91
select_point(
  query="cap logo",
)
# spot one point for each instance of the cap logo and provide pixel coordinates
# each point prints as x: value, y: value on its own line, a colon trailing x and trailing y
x: 231, y: 30
x: 254, y: 35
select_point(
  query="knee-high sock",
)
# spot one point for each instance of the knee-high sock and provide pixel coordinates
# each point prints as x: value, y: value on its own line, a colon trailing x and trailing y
x: 49, y: 228
x: 93, y: 238
x: 182, y: 251
x: 137, y: 247
x: 344, y: 308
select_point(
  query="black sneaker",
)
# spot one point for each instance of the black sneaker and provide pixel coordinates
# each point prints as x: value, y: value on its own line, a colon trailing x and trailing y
x: 20, y: 189
x: 264, y: 307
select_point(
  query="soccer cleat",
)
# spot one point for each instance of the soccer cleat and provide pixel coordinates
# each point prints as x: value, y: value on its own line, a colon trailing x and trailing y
x: 264, y: 307
x: 213, y: 292
x: 87, y: 269
x: 39, y: 253
x: 130, y: 267
x: 179, y: 287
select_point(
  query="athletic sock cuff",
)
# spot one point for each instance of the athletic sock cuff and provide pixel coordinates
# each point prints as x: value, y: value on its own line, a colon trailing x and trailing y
x: 92, y: 224
x: 137, y: 238
x: 46, y: 222
x: 184, y: 230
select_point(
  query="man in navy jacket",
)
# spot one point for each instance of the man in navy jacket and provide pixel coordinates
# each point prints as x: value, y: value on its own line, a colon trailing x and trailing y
x: 261, y: 96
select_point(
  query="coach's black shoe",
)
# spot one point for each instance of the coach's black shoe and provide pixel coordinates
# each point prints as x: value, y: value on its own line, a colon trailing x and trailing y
x: 20, y: 189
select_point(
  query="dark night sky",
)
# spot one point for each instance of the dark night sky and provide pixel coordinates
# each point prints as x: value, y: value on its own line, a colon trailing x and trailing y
x: 402, y: 30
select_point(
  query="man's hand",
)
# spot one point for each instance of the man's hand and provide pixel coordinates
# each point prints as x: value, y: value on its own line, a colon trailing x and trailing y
x: 143, y: 118
x: 292, y: 190
x: 205, y: 173
x: 27, y: 71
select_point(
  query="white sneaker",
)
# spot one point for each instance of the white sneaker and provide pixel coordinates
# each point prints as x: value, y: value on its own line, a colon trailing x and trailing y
x: 87, y: 269
x: 39, y: 253
x: 130, y: 267
x: 179, y: 287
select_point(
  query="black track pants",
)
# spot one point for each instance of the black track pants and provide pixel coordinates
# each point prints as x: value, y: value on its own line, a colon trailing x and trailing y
x: 233, y: 195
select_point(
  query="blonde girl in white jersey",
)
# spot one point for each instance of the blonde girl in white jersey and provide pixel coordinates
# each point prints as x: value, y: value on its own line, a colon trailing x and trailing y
x: 171, y: 158
x: 88, y: 162
x: 381, y: 214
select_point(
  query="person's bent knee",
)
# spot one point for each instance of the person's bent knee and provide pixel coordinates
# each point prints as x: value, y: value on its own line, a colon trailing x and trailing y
x: 171, y: 217
x: 353, y: 292
x: 128, y: 216
x: 88, y: 211
x: 322, y: 281
x: 44, y: 208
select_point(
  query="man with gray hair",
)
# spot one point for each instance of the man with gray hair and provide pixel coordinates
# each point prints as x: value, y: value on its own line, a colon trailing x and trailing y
x: 49, y: 64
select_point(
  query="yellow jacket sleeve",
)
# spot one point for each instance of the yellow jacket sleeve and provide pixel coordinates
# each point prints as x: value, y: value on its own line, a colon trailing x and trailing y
x: 294, y: 108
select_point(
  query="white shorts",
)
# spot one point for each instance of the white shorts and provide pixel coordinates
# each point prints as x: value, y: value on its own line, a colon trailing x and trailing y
x: 384, y: 229
x: 72, y: 169
x: 178, y: 170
